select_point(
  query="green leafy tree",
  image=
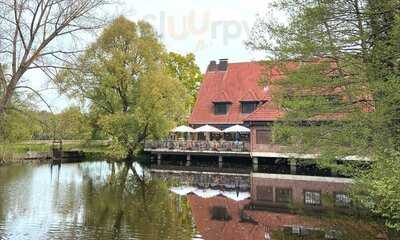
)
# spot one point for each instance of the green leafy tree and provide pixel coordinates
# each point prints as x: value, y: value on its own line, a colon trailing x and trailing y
x: 185, y: 69
x: 340, y: 91
x: 44, y: 124
x: 21, y: 121
x: 15, y: 126
x: 72, y: 124
x: 124, y: 77
x: 28, y: 124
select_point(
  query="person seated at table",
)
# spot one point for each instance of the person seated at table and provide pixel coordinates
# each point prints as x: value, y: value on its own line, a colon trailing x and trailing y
x: 214, y: 145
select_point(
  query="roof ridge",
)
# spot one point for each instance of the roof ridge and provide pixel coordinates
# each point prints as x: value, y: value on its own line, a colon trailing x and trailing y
x: 246, y: 62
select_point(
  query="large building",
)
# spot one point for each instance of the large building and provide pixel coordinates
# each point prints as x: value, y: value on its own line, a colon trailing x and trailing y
x: 235, y: 93
x: 240, y: 94
x: 232, y: 93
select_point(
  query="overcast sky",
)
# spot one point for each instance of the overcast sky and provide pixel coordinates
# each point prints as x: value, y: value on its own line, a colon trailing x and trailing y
x: 211, y: 29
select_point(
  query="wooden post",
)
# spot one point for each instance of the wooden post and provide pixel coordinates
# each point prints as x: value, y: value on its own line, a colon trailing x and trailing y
x: 293, y: 166
x: 159, y: 156
x: 255, y: 164
x: 188, y: 159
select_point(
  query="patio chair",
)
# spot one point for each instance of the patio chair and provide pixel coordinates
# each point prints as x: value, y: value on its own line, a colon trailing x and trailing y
x: 182, y: 145
x: 204, y: 146
x: 195, y: 145
x: 171, y: 145
x: 222, y: 146
x: 228, y: 146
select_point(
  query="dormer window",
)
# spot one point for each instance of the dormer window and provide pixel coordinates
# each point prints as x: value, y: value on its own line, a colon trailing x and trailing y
x: 221, y: 108
x: 248, y: 107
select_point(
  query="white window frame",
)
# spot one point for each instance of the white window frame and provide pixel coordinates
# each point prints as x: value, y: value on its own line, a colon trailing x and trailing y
x: 312, y: 198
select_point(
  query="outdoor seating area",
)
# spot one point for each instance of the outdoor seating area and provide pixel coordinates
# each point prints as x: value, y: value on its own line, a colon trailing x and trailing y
x: 195, y: 145
x: 205, y: 138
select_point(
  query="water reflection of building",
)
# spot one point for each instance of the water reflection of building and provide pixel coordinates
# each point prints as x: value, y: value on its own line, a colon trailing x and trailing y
x: 299, y: 191
x: 214, y: 180
x: 269, y: 190
x: 252, y: 224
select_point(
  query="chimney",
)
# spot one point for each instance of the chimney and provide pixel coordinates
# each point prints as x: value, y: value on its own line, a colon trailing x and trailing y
x: 212, y: 66
x: 223, y: 64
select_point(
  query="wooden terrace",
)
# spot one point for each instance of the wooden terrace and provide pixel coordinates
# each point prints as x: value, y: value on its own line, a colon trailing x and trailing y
x: 199, y: 147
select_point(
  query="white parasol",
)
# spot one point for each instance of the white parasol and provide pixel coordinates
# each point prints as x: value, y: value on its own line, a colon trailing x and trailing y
x: 183, y: 129
x: 207, y: 129
x: 237, y: 129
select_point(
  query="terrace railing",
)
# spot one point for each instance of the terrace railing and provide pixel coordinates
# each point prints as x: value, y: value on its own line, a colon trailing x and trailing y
x: 192, y: 145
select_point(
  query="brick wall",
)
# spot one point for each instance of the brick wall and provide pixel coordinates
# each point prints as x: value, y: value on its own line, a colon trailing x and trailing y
x: 298, y: 185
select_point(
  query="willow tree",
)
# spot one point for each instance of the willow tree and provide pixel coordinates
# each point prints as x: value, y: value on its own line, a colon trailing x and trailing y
x: 124, y: 78
x: 341, y: 88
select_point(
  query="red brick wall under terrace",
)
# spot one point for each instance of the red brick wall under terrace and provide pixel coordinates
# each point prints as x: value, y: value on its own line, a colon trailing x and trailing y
x: 326, y: 187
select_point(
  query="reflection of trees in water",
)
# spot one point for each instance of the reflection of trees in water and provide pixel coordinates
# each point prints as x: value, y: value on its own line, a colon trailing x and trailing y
x: 123, y: 205
x: 10, y: 181
x: 107, y: 201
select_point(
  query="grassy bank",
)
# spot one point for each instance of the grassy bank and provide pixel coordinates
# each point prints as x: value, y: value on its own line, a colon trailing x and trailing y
x: 11, y: 151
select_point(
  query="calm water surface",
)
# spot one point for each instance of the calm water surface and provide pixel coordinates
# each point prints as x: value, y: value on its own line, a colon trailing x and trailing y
x: 100, y: 200
x: 88, y: 201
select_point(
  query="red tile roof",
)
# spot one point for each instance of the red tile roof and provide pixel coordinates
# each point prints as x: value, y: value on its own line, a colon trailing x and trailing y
x: 267, y: 112
x: 221, y: 97
x: 211, y: 229
x: 235, y: 229
x: 241, y: 82
x: 250, y: 96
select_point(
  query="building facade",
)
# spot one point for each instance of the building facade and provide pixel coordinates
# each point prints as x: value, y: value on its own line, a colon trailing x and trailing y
x: 238, y: 94
x: 235, y: 93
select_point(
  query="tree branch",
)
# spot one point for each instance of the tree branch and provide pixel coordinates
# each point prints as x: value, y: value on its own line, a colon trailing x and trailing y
x: 39, y: 95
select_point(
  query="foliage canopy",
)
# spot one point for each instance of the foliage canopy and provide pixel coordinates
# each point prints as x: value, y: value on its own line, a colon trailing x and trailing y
x: 125, y: 78
x: 341, y: 88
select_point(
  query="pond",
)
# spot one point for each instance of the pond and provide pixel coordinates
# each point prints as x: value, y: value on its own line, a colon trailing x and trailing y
x: 101, y: 200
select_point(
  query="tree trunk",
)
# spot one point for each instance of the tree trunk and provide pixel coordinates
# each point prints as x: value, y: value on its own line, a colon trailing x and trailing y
x: 2, y: 109
x: 6, y: 98
x: 129, y: 157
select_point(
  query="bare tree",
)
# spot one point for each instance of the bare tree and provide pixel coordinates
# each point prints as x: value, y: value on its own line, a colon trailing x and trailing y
x: 38, y: 34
